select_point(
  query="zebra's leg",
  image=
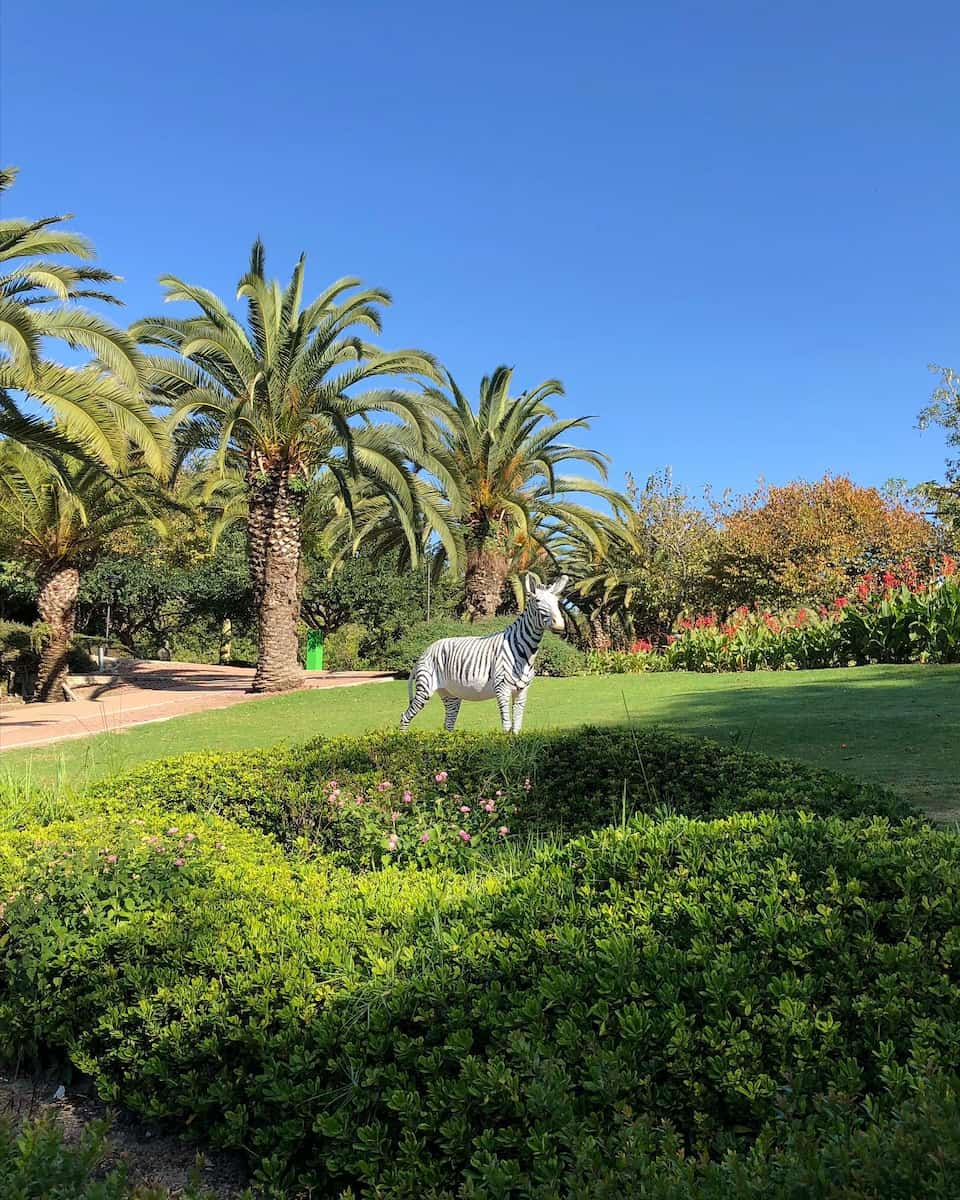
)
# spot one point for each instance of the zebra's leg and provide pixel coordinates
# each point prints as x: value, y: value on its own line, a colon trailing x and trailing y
x: 503, y: 703
x: 519, y: 703
x: 451, y: 706
x: 421, y: 695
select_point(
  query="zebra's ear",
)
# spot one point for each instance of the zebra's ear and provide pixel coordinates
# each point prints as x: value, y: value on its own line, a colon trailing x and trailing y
x: 530, y: 582
x: 561, y: 583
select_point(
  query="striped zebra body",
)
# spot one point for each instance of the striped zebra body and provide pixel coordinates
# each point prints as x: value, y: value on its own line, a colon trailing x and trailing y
x: 498, y: 666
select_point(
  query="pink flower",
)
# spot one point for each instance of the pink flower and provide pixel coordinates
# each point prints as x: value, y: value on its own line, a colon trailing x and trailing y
x: 488, y: 806
x: 111, y: 858
x: 441, y: 777
x: 498, y: 792
x: 334, y: 795
x: 179, y: 862
x: 503, y: 830
x: 424, y: 838
x: 464, y: 808
x: 173, y: 831
x: 464, y: 836
x: 332, y: 783
x: 392, y: 842
x: 384, y: 785
x: 190, y: 837
x: 408, y: 797
x: 358, y: 800
x: 395, y: 816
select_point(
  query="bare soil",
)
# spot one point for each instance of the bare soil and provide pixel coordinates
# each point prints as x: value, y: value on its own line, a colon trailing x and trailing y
x: 153, y: 1158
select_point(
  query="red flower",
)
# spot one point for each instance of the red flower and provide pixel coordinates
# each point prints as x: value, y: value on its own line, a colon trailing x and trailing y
x: 771, y: 623
x: 863, y: 590
x: 729, y: 631
x: 949, y: 565
x: 671, y: 638
x: 742, y: 611
x: 802, y: 615
x: 889, y: 579
x: 823, y: 611
x: 841, y: 602
x: 684, y: 623
x: 641, y: 646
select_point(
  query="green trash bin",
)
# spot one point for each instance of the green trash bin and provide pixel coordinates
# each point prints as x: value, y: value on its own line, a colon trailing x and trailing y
x: 314, y: 649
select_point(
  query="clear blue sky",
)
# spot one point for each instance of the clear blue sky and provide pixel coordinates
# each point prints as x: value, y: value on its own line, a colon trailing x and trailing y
x: 730, y: 228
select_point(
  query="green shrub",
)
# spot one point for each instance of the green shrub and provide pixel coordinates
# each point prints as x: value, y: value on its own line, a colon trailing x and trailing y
x: 564, y: 782
x: 562, y: 1027
x: 341, y: 649
x: 559, y: 658
x: 37, y: 1164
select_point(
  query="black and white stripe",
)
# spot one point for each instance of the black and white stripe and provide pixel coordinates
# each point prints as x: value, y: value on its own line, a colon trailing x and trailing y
x: 498, y: 666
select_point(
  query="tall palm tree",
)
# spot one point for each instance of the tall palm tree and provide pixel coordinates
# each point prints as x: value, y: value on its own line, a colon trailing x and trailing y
x: 56, y: 516
x: 279, y: 396
x: 97, y: 410
x: 499, y: 463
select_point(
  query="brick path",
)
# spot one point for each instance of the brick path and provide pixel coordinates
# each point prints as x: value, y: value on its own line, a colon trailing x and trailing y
x: 148, y: 691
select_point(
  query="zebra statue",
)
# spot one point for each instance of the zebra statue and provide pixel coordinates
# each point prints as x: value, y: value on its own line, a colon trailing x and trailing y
x: 480, y: 668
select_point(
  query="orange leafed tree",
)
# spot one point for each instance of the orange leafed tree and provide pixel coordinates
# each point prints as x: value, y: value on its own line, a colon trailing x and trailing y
x: 812, y: 541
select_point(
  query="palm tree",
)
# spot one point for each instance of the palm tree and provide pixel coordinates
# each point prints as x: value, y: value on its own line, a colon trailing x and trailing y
x: 97, y: 410
x: 277, y: 397
x: 499, y: 464
x: 57, y: 517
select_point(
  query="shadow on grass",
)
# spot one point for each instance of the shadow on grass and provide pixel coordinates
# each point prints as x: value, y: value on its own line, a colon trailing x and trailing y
x: 887, y: 730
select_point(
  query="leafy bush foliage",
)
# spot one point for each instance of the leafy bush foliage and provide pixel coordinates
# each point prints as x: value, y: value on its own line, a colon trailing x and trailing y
x: 555, y: 657
x: 664, y: 989
x: 540, y: 783
x: 341, y: 650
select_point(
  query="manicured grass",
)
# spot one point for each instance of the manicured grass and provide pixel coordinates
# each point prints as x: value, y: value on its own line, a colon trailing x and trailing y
x: 896, y: 725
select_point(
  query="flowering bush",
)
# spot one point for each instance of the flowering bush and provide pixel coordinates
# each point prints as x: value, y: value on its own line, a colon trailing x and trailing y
x: 891, y: 617
x: 423, y: 822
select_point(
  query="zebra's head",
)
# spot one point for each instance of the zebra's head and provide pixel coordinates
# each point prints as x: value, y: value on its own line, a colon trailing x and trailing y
x: 543, y: 603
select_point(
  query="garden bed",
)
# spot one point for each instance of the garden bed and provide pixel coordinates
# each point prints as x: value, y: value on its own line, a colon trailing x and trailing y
x: 682, y: 968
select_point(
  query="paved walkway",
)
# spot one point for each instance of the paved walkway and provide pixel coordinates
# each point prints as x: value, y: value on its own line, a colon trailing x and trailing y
x: 149, y: 691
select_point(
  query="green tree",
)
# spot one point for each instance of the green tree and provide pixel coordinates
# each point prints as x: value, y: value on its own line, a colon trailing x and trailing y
x: 276, y: 403
x: 57, y: 518
x: 653, y: 567
x: 170, y: 593
x: 498, y: 465
x: 96, y: 409
x: 942, y: 497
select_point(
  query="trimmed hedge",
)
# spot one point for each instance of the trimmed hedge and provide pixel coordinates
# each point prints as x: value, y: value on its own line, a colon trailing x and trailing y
x: 557, y: 782
x: 565, y: 1026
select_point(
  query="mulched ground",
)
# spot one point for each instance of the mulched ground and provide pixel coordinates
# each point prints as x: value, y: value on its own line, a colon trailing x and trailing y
x: 152, y: 1157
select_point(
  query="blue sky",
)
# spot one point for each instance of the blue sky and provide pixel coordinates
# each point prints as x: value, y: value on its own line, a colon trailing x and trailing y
x: 730, y: 228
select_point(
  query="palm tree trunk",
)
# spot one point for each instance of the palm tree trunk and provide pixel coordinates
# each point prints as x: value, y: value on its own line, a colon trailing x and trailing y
x: 57, y: 603
x: 486, y: 573
x: 274, y: 534
x: 599, y: 631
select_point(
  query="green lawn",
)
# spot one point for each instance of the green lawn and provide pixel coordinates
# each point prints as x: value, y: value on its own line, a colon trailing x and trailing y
x: 898, y: 725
